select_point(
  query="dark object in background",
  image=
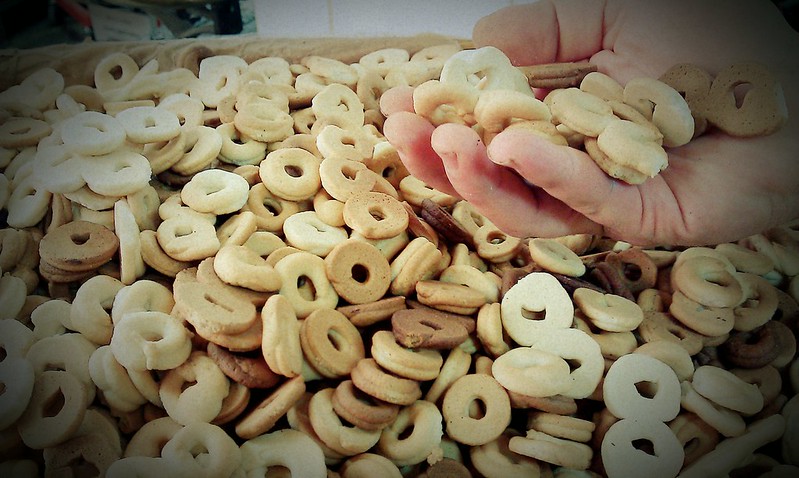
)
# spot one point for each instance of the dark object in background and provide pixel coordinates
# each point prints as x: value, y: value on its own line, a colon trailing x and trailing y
x: 17, y: 15
x: 790, y: 10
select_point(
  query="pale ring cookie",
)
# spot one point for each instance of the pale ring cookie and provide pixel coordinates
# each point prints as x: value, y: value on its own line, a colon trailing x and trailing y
x: 516, y: 368
x: 291, y: 173
x: 289, y: 448
x: 621, y: 458
x: 215, y: 191
x: 92, y: 133
x: 375, y: 215
x: 624, y: 400
x: 670, y: 113
x: 149, y: 124
x: 536, y: 302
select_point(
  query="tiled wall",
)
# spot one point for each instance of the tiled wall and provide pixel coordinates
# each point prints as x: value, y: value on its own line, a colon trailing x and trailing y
x: 360, y: 18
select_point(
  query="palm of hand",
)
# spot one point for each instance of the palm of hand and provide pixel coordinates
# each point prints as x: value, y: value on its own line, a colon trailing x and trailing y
x: 716, y: 189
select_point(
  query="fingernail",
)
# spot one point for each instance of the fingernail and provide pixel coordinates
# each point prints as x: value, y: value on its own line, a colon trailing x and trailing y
x: 500, y: 160
x: 450, y: 161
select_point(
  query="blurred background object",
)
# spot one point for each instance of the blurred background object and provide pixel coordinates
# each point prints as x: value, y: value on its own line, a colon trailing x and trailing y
x: 33, y: 23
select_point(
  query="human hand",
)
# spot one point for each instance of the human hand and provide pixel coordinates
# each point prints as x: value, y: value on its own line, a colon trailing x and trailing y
x: 717, y: 188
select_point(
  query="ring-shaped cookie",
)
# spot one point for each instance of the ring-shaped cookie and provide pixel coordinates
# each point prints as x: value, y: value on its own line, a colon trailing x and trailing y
x: 305, y: 283
x: 726, y: 421
x: 375, y: 215
x: 497, y: 109
x: 306, y: 231
x: 220, y: 453
x: 415, y: 364
x: 263, y: 121
x: 270, y: 211
x: 202, y: 146
x: 755, y: 348
x: 40, y: 426
x: 113, y: 381
x: 665, y: 106
x: 485, y: 68
x: 17, y: 379
x: 78, y: 245
x: 193, y: 392
x: 347, y: 440
x: 707, y: 281
x: 423, y: 422
x: 537, y: 301
x: 608, y: 311
x: 516, y: 368
x: 21, y: 132
x: 760, y: 302
x: 117, y: 174
x: 555, y: 257
x: 550, y: 449
x: 728, y: 390
x: 581, y: 111
x: 377, y: 382
x: 291, y: 173
x: 239, y: 149
x: 580, y: 351
x: 219, y: 76
x: 241, y: 266
x: 149, y: 124
x: 186, y: 238
x: 361, y: 409
x: 494, y: 245
x: 442, y: 103
x: 355, y: 144
x: 461, y: 425
x: 631, y: 145
x: 338, y: 104
x: 761, y: 111
x: 358, y: 271
x: 343, y: 177
x: 659, y: 325
x: 708, y: 321
x: 693, y: 83
x: 495, y: 460
x: 91, y: 307
x: 271, y: 409
x: 150, y: 340
x: 623, y: 383
x: 215, y: 191
x: 114, y: 71
x: 621, y: 457
x: 331, y: 344
x: 92, y: 133
x: 290, y: 449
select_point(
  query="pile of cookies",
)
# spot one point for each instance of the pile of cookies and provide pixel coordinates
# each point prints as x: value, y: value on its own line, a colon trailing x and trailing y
x: 229, y: 272
x: 625, y: 129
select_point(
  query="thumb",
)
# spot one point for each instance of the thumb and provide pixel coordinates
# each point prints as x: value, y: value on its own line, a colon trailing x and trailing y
x: 571, y: 176
x: 545, y: 31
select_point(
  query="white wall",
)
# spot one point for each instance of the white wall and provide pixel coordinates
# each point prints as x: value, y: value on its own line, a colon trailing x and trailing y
x: 361, y: 18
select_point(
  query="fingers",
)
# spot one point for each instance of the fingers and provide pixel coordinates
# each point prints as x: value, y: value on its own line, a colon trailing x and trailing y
x: 572, y: 177
x: 410, y: 135
x: 399, y: 98
x: 498, y: 192
x: 545, y: 31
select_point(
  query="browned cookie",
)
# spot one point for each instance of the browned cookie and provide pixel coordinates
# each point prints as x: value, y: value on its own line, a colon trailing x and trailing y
x: 78, y: 246
x: 249, y: 370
